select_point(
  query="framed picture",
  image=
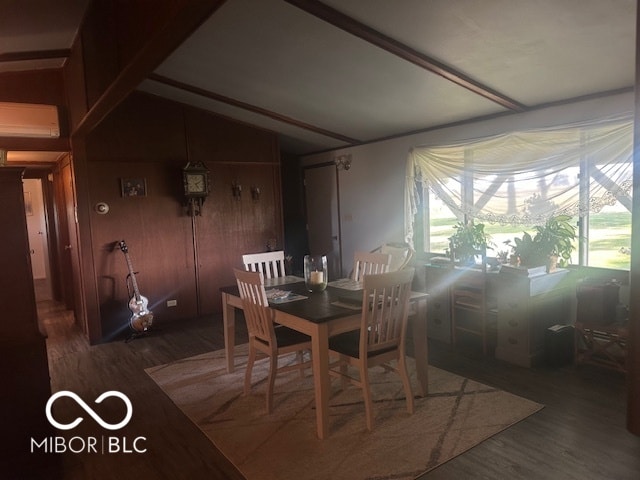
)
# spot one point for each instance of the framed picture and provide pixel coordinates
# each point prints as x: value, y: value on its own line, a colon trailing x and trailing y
x: 133, y: 187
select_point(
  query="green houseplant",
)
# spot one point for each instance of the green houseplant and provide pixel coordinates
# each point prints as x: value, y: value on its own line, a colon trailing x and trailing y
x: 468, y: 240
x: 551, y: 241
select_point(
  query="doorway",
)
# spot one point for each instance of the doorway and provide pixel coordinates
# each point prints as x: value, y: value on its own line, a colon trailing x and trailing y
x: 38, y: 238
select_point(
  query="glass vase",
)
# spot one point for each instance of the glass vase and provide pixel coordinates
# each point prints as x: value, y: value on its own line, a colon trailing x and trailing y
x: 315, y: 272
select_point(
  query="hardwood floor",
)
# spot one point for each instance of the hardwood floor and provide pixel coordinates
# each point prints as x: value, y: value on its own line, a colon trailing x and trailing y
x: 580, y: 433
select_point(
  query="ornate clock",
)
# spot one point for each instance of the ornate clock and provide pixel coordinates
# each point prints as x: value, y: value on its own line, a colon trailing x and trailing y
x: 197, y: 186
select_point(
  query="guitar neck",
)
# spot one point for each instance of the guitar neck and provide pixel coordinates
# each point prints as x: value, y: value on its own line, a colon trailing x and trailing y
x: 134, y: 282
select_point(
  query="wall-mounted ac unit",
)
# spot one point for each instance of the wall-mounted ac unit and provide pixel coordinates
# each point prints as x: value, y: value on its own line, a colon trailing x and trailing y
x: 29, y: 120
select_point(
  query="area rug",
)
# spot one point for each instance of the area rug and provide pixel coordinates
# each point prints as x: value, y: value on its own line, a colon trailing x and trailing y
x: 457, y: 414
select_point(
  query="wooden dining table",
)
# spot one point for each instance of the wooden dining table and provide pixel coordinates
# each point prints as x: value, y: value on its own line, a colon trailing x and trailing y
x: 321, y: 315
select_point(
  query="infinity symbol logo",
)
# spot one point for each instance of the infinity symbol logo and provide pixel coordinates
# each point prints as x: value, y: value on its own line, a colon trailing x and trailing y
x: 89, y: 410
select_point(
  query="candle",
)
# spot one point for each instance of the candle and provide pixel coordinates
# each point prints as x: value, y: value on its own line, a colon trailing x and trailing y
x: 316, y: 277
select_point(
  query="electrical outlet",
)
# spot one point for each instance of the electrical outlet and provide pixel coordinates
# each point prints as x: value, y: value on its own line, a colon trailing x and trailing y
x: 172, y: 303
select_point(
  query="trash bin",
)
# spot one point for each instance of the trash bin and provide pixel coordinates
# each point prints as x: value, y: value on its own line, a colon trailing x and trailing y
x: 559, y: 345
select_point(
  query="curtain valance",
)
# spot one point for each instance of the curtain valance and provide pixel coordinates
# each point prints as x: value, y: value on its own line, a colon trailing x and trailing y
x: 525, y: 177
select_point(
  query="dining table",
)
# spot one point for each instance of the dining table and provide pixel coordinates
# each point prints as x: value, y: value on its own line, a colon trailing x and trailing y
x: 321, y: 315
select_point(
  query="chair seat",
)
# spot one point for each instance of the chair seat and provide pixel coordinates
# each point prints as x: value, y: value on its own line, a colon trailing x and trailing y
x: 348, y: 344
x: 286, y: 336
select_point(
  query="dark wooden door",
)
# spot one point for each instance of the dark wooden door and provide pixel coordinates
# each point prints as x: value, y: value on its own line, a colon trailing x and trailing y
x: 323, y: 227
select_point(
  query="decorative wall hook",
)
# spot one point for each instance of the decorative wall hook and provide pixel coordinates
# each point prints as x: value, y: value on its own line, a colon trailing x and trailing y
x: 343, y: 162
x: 236, y: 190
x: 255, y: 193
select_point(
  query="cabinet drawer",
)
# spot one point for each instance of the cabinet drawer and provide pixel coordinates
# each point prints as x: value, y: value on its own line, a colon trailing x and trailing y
x: 513, y: 328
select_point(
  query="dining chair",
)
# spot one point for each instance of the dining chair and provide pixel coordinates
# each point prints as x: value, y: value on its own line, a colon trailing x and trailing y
x: 271, y: 264
x: 380, y: 341
x: 263, y: 336
x: 368, y: 263
x: 401, y: 254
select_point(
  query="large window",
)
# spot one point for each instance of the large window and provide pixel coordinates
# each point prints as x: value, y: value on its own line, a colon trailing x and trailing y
x: 514, y: 181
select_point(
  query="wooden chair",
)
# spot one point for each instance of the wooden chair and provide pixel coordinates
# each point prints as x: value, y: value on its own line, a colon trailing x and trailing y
x: 271, y: 264
x: 604, y: 345
x: 401, y: 254
x: 381, y: 337
x: 470, y: 305
x: 601, y: 337
x: 367, y: 263
x: 263, y: 336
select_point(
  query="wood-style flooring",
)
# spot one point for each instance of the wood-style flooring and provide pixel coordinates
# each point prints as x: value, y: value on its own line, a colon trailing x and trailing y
x: 580, y: 434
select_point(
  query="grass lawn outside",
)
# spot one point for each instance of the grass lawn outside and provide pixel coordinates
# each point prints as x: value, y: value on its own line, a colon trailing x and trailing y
x: 609, y: 238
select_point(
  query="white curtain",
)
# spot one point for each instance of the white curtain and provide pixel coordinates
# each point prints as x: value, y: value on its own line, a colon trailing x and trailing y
x: 525, y: 177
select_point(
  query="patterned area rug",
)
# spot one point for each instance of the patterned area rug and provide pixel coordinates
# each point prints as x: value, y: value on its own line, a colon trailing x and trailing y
x: 457, y: 414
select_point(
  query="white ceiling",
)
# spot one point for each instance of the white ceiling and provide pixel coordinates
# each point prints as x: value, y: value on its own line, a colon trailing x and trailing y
x: 274, y: 65
x: 273, y: 55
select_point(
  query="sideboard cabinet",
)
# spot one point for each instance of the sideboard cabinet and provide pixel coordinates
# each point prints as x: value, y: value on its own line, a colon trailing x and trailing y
x: 526, y: 308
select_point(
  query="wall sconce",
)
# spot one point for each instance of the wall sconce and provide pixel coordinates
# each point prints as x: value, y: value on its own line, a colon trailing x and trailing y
x: 236, y: 190
x: 343, y: 162
x: 255, y: 193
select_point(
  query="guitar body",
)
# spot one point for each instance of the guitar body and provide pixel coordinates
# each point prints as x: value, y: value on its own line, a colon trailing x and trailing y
x: 141, y: 317
x: 141, y: 322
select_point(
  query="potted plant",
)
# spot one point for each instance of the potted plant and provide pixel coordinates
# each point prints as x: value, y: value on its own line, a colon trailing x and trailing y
x: 469, y: 240
x: 550, y: 245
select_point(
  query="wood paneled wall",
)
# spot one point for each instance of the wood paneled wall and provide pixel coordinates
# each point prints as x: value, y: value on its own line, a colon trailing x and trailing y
x: 178, y: 257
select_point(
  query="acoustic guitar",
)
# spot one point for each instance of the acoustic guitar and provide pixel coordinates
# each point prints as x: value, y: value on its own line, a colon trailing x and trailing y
x: 141, y: 317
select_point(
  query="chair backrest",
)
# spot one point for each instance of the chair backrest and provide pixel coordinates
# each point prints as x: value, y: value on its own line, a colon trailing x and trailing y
x: 401, y: 254
x: 367, y: 263
x: 385, y: 310
x: 271, y: 264
x: 257, y: 313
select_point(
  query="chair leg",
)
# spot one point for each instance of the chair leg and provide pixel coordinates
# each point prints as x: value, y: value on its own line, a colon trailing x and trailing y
x: 344, y: 372
x: 247, y: 375
x: 406, y: 383
x: 483, y: 319
x: 300, y: 359
x: 453, y: 328
x: 273, y: 367
x: 366, y: 393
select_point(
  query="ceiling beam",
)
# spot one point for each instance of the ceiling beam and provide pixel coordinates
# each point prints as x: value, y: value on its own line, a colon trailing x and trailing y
x: 354, y: 27
x: 252, y: 108
x: 35, y: 144
x: 185, y: 17
x: 35, y: 55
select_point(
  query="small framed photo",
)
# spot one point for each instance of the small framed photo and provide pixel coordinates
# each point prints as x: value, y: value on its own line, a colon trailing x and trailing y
x: 133, y: 187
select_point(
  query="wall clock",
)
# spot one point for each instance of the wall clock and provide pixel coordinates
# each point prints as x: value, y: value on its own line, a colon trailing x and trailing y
x: 197, y: 185
x: 196, y: 180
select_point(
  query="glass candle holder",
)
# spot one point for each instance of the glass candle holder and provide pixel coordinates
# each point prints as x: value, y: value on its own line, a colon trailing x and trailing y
x: 315, y: 272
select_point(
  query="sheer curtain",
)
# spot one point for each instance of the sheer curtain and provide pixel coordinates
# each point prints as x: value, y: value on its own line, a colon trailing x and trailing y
x: 525, y: 177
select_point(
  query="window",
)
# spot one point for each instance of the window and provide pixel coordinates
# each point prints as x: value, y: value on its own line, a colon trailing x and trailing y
x: 514, y: 181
